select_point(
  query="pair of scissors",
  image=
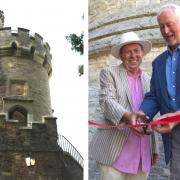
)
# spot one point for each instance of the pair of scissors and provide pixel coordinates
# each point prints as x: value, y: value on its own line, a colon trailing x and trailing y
x: 147, y: 129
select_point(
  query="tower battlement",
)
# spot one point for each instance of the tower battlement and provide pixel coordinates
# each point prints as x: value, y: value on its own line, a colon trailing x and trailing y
x: 37, y: 134
x: 1, y: 18
x: 22, y: 44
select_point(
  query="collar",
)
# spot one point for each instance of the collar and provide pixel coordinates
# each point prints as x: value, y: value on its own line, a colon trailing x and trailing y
x: 137, y: 75
x: 170, y: 51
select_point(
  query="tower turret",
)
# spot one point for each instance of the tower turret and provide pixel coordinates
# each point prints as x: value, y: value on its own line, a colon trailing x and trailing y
x: 25, y: 65
x: 29, y: 147
x: 1, y: 19
x: 26, y: 122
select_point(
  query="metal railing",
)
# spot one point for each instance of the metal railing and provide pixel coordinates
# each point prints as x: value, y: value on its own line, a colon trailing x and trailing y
x: 69, y: 148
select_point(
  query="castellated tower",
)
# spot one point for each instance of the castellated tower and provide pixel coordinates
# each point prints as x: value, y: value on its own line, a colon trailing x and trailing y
x: 28, y: 130
x: 25, y: 66
x: 29, y: 145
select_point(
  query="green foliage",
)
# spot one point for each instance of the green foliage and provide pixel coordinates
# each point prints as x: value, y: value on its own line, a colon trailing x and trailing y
x: 76, y: 42
x: 78, y: 46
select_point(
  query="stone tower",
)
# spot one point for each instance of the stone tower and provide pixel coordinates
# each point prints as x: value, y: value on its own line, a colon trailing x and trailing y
x: 107, y: 21
x: 25, y: 65
x: 27, y: 126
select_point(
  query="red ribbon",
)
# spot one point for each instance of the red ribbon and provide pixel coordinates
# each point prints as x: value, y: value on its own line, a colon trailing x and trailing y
x: 166, y: 120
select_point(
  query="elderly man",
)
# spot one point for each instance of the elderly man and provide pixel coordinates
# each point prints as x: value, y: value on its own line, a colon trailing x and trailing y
x: 122, y: 154
x: 164, y: 95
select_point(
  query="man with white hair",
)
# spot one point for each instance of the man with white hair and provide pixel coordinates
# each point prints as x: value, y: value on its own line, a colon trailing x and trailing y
x: 164, y: 94
x: 122, y: 154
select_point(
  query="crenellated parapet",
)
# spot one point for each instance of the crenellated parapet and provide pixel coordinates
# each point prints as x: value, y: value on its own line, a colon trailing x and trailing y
x: 36, y: 136
x: 22, y: 44
x: 1, y: 19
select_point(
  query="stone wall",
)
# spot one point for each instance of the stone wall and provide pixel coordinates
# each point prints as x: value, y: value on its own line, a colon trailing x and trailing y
x: 48, y: 166
x: 21, y: 74
x: 39, y: 140
x: 101, y: 8
x: 72, y: 170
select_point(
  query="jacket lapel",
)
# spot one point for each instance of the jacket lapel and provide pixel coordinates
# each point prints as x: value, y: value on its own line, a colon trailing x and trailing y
x: 125, y: 82
x: 161, y: 70
x: 145, y: 84
x: 178, y: 82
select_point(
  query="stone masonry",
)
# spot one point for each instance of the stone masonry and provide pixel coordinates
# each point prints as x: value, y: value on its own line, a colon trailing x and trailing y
x: 107, y: 21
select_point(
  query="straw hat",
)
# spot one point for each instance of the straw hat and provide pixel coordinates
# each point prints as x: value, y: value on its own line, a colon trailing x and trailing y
x: 130, y: 38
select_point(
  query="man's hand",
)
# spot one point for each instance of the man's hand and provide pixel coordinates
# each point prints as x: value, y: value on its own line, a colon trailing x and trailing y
x: 166, y: 128
x: 135, y: 118
x: 155, y: 158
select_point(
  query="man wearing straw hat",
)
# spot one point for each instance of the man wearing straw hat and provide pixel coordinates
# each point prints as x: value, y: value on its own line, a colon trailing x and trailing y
x: 124, y: 154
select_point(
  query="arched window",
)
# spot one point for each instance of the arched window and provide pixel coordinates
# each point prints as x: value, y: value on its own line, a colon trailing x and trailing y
x: 13, y: 48
x: 45, y: 61
x: 32, y: 51
x: 18, y: 113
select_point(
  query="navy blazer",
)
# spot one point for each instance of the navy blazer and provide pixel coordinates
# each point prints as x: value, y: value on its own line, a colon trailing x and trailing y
x: 157, y: 100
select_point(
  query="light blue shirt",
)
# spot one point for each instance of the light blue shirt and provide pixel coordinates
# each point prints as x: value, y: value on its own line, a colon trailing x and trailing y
x: 171, y: 65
